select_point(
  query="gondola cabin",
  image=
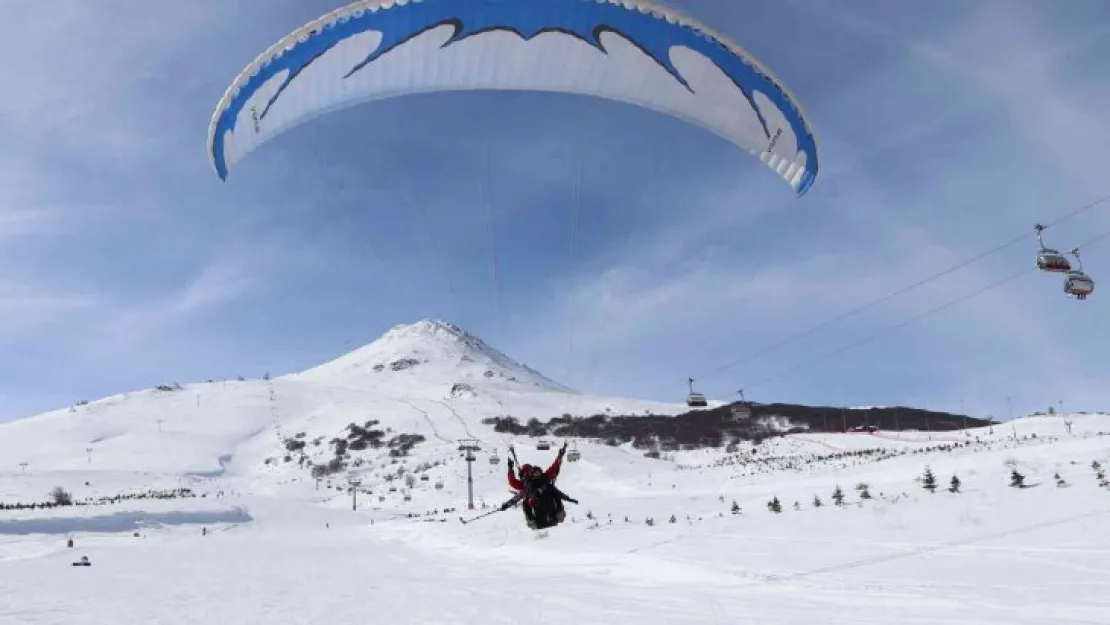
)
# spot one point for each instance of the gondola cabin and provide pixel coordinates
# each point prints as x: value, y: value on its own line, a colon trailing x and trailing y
x: 1052, y: 261
x: 696, y: 400
x: 1079, y: 285
x: 439, y: 485
x: 543, y: 445
x: 494, y: 459
x: 574, y: 455
x: 424, y: 478
x: 741, y: 412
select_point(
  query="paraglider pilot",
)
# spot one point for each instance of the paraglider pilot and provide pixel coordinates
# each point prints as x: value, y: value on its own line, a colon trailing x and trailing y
x: 535, y: 488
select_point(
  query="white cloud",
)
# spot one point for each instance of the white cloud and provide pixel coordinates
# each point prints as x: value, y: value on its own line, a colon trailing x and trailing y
x: 25, y: 310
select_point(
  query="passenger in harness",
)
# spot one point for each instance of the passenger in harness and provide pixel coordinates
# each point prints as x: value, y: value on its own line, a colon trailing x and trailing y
x: 540, y: 499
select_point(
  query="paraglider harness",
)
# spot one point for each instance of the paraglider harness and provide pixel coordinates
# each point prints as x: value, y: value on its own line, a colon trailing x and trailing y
x: 540, y: 499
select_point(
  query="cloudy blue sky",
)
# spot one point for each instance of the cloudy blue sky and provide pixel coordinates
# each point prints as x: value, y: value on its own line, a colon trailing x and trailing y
x: 947, y: 128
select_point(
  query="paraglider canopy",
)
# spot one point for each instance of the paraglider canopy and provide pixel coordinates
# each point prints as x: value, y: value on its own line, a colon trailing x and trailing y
x: 629, y: 51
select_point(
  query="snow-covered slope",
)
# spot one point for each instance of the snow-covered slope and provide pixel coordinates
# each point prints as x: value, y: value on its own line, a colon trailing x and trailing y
x: 429, y: 378
x: 278, y: 547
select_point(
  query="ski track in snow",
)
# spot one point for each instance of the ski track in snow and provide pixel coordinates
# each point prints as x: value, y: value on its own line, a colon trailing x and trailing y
x: 280, y: 551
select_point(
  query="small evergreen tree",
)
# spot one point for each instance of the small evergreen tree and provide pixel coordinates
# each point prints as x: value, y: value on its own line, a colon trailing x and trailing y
x: 673, y: 519
x: 774, y: 505
x: 954, y: 485
x: 817, y: 502
x: 863, y: 490
x: 61, y: 497
x: 1017, y: 480
x: 838, y: 496
x: 929, y: 481
x: 735, y: 507
x: 1060, y: 482
x: 1096, y: 466
x: 797, y: 506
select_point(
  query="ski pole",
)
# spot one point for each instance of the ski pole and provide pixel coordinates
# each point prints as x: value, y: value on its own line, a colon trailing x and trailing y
x: 480, y: 516
x: 516, y: 461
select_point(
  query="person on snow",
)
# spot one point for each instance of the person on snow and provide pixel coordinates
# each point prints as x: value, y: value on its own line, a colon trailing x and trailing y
x: 540, y: 499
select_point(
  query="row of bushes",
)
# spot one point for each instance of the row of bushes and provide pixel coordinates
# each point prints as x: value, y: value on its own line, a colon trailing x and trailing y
x: 729, y: 424
x: 60, y: 497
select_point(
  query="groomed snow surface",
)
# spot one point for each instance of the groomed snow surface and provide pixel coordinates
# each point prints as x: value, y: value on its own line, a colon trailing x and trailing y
x: 263, y: 543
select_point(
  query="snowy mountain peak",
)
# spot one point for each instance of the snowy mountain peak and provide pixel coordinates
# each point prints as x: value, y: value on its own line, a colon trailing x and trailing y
x: 434, y: 330
x: 431, y: 351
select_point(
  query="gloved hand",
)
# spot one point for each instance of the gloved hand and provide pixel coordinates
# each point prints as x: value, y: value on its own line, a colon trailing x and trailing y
x: 510, y: 464
x: 563, y: 449
x: 505, y: 506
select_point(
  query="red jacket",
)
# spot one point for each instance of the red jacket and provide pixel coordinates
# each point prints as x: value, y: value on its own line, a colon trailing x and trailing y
x: 551, y: 473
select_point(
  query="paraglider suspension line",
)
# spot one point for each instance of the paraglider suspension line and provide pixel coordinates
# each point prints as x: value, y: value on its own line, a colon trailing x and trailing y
x: 577, y: 217
x: 493, y: 242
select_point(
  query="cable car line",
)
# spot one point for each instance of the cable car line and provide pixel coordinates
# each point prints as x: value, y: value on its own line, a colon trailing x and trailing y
x: 874, y: 335
x: 877, y: 334
x: 886, y: 298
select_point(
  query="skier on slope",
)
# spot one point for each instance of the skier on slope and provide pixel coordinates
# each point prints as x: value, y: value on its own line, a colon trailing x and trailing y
x: 540, y: 499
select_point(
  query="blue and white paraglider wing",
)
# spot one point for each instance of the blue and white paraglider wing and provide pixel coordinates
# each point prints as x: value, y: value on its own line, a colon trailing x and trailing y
x: 624, y: 50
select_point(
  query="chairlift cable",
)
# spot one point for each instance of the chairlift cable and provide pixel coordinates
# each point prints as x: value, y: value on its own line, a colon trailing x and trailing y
x: 874, y: 335
x: 866, y: 306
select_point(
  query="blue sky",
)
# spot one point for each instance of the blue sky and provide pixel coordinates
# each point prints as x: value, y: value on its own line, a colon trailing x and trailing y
x: 946, y: 128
